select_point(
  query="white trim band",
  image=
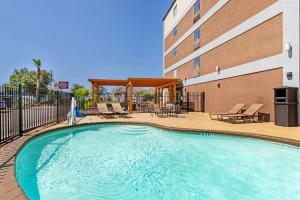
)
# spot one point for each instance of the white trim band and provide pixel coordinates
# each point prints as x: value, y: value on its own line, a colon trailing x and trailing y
x: 269, y: 63
x: 261, y: 17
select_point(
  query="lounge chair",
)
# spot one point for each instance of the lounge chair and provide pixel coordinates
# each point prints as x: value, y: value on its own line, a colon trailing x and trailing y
x: 118, y: 109
x: 234, y: 110
x: 103, y: 110
x: 248, y: 115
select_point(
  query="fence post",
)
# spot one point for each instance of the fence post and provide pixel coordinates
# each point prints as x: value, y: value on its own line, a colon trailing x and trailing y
x: 57, y: 106
x: 188, y: 101
x: 20, y: 110
x: 202, y: 101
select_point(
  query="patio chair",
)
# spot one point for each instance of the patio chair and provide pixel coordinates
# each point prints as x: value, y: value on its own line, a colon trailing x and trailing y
x: 150, y: 108
x: 234, y: 110
x: 157, y: 111
x: 118, y: 110
x: 248, y: 115
x: 176, y: 110
x: 168, y: 109
x: 103, y: 110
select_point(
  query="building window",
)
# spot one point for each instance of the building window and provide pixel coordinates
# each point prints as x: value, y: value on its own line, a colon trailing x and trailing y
x: 174, y: 73
x: 197, y: 35
x: 197, y: 63
x: 174, y: 32
x: 197, y: 7
x: 174, y: 52
x: 175, y: 11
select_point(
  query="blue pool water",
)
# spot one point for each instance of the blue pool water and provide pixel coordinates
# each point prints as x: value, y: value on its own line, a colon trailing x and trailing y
x: 141, y: 162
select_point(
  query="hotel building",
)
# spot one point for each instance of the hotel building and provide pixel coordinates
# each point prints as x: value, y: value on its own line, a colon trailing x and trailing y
x: 236, y: 51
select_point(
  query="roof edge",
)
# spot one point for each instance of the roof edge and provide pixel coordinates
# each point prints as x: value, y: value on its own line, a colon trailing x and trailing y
x: 174, y: 1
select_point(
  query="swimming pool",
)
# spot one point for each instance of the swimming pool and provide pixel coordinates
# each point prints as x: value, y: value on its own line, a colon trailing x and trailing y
x: 115, y: 161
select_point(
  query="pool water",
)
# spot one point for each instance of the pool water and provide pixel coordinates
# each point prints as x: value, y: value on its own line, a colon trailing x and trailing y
x: 140, y: 162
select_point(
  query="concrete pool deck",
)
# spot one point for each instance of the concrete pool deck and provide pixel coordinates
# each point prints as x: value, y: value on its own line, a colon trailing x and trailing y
x: 9, y: 188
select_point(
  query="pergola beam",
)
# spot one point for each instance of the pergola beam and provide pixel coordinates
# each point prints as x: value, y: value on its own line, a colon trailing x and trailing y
x: 168, y: 84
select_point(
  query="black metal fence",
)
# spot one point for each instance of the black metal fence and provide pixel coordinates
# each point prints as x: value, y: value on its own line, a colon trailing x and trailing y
x: 193, y: 102
x: 189, y: 102
x: 20, y: 112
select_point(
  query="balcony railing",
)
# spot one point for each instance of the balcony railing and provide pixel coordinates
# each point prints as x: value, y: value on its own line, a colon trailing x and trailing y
x: 196, y: 17
x: 196, y: 45
x: 196, y: 73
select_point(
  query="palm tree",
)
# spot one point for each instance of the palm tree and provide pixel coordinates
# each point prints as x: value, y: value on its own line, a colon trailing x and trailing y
x: 37, y: 63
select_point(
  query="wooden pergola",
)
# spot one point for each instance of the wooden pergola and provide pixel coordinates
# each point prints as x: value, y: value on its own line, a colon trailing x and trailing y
x: 158, y: 83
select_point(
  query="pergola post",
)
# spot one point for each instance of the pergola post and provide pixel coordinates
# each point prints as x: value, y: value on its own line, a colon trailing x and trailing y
x: 95, y: 91
x: 174, y: 93
x: 97, y: 94
x: 126, y: 97
x: 170, y: 94
x: 93, y: 94
x: 155, y: 99
x: 130, y: 96
x: 158, y: 96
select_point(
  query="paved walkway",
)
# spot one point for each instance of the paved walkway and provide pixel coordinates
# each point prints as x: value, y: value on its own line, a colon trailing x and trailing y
x: 9, y: 188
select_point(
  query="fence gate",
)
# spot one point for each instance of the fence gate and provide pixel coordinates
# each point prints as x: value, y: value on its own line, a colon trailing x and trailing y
x: 20, y: 111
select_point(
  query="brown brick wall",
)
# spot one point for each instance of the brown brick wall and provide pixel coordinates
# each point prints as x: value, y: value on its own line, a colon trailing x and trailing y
x: 232, y: 14
x: 185, y: 71
x: 184, y: 49
x: 169, y: 75
x: 262, y: 41
x: 248, y: 89
x: 183, y: 26
x: 224, y: 20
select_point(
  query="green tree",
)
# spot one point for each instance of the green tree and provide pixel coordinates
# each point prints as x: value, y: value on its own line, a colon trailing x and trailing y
x: 81, y: 92
x: 38, y: 64
x: 146, y: 94
x: 27, y: 78
x: 118, y: 92
x: 76, y: 87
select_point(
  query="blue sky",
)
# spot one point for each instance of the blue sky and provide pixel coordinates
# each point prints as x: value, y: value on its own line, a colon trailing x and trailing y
x: 81, y: 39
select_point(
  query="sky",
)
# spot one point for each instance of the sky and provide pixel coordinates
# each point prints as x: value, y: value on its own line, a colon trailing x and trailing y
x: 82, y: 39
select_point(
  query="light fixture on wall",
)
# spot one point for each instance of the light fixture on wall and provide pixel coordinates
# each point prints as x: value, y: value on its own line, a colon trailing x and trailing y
x: 289, y: 75
x: 289, y: 49
x: 218, y: 69
x: 287, y: 46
